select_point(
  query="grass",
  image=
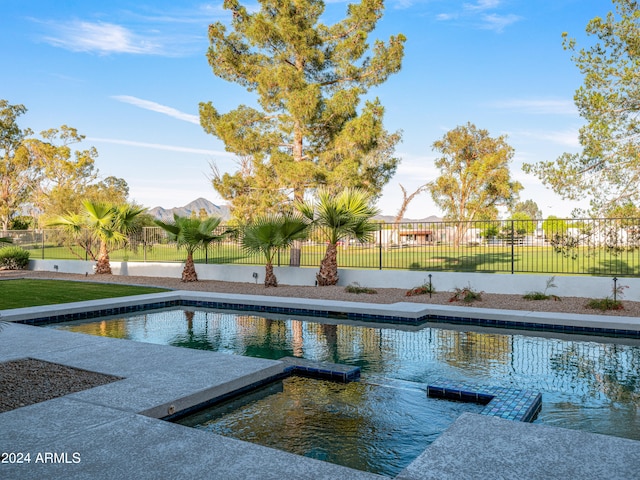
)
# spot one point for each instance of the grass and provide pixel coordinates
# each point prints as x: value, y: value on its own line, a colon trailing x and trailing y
x: 30, y: 293
x: 523, y: 259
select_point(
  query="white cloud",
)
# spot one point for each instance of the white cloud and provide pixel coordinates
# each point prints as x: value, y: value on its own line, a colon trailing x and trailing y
x: 497, y: 23
x: 160, y: 146
x: 566, y: 138
x: 156, y: 107
x: 102, y: 38
x: 477, y: 14
x: 537, y: 106
x: 482, y: 5
x: 446, y: 16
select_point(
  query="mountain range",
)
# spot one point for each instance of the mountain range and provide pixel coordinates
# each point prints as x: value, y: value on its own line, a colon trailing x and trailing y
x: 211, y: 209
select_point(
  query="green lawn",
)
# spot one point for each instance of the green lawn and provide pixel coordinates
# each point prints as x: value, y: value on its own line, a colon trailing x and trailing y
x: 29, y: 293
x: 522, y: 259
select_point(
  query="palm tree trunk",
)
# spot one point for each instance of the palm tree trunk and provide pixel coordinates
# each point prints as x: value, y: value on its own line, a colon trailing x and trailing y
x: 328, y: 274
x: 270, y: 279
x: 189, y: 273
x: 103, y: 266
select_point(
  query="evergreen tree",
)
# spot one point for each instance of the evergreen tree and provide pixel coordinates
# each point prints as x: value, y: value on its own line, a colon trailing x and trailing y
x: 308, y: 128
x: 608, y: 168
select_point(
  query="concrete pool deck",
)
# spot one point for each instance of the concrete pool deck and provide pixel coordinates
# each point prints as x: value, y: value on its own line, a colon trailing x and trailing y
x: 115, y: 431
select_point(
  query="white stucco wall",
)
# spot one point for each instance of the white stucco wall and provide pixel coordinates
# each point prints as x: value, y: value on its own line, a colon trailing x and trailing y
x: 567, y: 286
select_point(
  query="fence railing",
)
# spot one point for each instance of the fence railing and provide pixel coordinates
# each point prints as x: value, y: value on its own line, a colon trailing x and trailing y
x: 571, y: 246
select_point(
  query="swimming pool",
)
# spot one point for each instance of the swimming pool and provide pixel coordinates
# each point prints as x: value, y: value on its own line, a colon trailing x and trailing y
x: 588, y: 383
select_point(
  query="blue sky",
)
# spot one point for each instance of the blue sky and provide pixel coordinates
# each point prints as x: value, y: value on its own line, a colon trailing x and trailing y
x: 129, y: 76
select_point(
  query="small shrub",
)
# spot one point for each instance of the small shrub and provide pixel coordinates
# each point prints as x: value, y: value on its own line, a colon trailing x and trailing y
x: 466, y: 295
x: 543, y: 295
x: 604, y: 304
x: 415, y: 266
x: 357, y: 289
x: 13, y: 258
x: 609, y: 303
x: 425, y: 288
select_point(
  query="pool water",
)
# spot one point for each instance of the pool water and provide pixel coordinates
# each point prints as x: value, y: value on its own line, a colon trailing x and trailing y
x: 587, y: 384
x: 374, y: 428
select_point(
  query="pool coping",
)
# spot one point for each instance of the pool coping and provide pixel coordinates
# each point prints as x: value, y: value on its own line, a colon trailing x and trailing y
x: 401, y: 313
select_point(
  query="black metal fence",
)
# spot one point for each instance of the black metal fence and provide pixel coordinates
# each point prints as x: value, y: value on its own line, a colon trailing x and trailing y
x: 553, y: 246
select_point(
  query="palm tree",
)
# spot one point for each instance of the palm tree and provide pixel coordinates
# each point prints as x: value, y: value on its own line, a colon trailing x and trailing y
x: 269, y: 233
x: 192, y: 233
x: 110, y: 224
x: 336, y: 217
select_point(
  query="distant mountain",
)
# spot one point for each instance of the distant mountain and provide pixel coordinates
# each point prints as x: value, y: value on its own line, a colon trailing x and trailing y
x: 391, y: 218
x: 166, y: 214
x: 211, y: 209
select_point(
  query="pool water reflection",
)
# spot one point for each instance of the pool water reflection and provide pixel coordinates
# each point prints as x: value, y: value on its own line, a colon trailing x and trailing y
x: 586, y: 385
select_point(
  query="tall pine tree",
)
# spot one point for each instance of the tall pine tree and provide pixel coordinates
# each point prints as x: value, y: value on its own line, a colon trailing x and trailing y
x: 308, y: 127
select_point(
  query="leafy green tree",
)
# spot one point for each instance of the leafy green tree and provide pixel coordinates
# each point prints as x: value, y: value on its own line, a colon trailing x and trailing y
x: 18, y: 171
x: 192, y: 234
x: 489, y: 229
x: 608, y: 167
x: 554, y: 226
x: 529, y: 207
x: 65, y: 173
x: 627, y: 210
x: 270, y: 233
x: 474, y: 176
x: 69, y: 177
x: 109, y: 224
x: 523, y: 224
x: 338, y: 217
x: 21, y: 222
x: 309, y: 128
x: 111, y: 189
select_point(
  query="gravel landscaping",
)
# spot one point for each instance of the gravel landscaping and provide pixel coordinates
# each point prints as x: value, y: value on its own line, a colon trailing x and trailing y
x: 27, y: 381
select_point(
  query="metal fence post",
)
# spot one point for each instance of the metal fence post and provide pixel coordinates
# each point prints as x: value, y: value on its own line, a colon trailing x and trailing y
x: 380, y: 246
x: 513, y: 242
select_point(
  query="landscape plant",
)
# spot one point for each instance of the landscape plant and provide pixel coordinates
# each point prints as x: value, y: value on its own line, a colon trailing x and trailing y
x: 268, y: 234
x: 336, y: 218
x: 355, y: 287
x: 13, y: 258
x: 109, y: 224
x: 466, y: 295
x: 424, y: 289
x: 192, y: 233
x: 611, y: 302
x: 543, y: 295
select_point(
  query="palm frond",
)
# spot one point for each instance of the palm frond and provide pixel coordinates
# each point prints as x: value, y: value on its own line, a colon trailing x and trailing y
x: 267, y: 234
